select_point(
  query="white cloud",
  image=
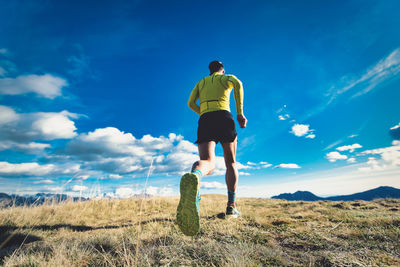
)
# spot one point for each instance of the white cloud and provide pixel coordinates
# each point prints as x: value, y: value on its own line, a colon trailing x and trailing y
x: 248, y: 166
x: 351, y: 148
x: 244, y: 173
x: 79, y: 188
x: 108, y: 142
x: 302, y: 129
x: 124, y: 192
x: 390, y: 156
x: 25, y: 169
x: 113, y: 151
x: 159, y: 191
x: 34, y: 169
x: 117, y: 154
x: 353, y: 135
x: 283, y: 117
x: 31, y: 148
x: 115, y: 176
x: 351, y: 160
x: 213, y: 185
x: 186, y: 146
x: 265, y: 165
x: 51, y: 125
x: 395, y: 127
x: 311, y: 136
x: 334, y: 156
x: 45, y: 181
x: 288, y: 166
x: 54, y: 188
x: 23, y: 127
x: 7, y: 115
x: 46, y: 85
x: 372, y: 165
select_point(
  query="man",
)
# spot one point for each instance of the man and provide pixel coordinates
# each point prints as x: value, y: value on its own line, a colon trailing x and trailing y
x: 215, y: 125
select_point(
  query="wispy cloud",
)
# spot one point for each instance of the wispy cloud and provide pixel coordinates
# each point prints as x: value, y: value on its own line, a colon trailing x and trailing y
x: 395, y: 127
x: 395, y: 132
x: 386, y: 69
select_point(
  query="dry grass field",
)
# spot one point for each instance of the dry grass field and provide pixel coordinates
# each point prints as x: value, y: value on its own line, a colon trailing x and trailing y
x: 270, y: 233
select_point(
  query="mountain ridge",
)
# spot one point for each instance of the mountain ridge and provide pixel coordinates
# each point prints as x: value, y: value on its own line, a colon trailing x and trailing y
x: 368, y: 195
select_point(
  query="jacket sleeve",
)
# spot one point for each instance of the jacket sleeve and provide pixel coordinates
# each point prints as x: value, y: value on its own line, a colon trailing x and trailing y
x: 237, y: 92
x: 193, y: 98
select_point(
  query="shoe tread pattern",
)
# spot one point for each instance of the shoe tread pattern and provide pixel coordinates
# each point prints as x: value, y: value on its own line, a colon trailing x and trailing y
x: 188, y: 215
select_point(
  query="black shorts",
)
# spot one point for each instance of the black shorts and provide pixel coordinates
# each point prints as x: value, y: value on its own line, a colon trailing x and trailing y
x: 217, y: 126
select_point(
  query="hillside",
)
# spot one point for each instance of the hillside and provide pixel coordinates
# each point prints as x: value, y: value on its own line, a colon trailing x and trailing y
x: 270, y: 232
x: 379, y: 192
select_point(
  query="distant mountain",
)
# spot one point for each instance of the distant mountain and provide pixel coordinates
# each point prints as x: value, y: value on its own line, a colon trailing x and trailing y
x: 38, y: 199
x: 379, y: 192
x: 299, y: 195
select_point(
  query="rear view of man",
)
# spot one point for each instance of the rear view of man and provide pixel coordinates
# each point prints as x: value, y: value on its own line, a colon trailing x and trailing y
x: 215, y: 125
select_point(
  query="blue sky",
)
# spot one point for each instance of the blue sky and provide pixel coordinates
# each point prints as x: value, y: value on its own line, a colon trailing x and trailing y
x: 92, y: 93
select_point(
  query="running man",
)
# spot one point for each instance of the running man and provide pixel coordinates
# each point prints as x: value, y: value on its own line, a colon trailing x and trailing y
x: 216, y: 124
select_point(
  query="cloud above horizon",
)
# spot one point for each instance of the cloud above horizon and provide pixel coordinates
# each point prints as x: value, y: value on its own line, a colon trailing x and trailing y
x: 26, y: 127
x: 46, y: 85
x: 350, y: 148
x: 288, y: 166
x: 303, y: 130
x: 334, y: 156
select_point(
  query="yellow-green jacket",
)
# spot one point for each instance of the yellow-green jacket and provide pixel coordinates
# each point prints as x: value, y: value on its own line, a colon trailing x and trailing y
x: 214, y: 92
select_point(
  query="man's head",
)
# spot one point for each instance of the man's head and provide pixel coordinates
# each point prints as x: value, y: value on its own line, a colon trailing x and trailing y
x: 216, y: 66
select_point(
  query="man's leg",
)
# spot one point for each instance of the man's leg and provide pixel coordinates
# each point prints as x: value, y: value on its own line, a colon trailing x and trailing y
x: 231, y: 177
x: 206, y: 164
x: 188, y: 212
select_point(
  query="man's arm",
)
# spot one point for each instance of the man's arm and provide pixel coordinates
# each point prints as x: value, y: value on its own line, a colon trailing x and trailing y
x: 193, y: 98
x: 238, y: 94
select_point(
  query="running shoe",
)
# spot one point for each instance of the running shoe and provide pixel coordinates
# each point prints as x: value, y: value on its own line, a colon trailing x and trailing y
x: 188, y: 212
x: 232, y: 212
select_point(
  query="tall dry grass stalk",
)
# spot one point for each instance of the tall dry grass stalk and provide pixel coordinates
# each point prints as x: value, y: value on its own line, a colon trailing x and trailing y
x: 140, y: 214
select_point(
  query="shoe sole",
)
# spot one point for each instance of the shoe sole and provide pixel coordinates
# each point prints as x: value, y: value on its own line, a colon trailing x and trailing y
x: 188, y: 215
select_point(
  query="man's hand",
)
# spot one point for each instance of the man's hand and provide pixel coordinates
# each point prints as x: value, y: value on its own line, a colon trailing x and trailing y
x: 242, y: 121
